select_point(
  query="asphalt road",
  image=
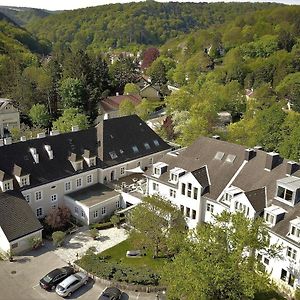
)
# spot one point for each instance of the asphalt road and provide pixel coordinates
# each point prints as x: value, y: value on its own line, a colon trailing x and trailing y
x: 19, y: 280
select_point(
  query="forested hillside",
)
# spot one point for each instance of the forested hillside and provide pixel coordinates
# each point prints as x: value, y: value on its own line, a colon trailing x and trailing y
x: 126, y: 25
x: 257, y: 54
x: 23, y: 15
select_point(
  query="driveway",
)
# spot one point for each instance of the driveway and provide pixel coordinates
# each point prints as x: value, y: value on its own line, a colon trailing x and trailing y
x: 19, y: 279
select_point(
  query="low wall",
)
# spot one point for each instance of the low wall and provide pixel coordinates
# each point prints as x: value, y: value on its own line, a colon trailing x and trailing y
x: 123, y: 286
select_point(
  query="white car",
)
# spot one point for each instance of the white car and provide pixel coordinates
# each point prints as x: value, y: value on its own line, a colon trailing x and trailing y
x: 71, y: 284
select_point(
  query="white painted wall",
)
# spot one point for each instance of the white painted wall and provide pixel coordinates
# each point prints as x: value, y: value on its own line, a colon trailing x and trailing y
x: 23, y: 244
x: 4, y: 243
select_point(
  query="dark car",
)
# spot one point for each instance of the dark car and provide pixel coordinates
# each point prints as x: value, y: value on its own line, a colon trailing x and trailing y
x: 111, y: 293
x: 53, y: 278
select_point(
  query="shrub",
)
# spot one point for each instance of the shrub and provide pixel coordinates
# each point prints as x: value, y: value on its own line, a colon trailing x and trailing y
x: 105, y: 225
x: 115, y: 220
x: 94, y: 233
x: 297, y: 294
x: 58, y: 238
x: 35, y: 242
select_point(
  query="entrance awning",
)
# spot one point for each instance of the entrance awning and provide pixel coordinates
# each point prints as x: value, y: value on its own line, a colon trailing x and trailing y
x: 137, y: 170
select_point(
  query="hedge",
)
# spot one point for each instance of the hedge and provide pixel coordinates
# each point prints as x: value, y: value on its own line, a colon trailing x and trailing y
x: 104, y: 225
x: 101, y: 267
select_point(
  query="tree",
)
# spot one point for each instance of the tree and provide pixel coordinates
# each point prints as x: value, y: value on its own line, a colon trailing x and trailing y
x: 149, y: 56
x: 58, y: 238
x: 39, y: 115
x: 220, y: 260
x: 59, y: 217
x: 71, y: 91
x: 157, y: 224
x: 115, y: 220
x: 131, y: 89
x: 126, y: 108
x: 71, y: 117
x: 157, y: 73
x: 94, y: 233
x: 289, y: 88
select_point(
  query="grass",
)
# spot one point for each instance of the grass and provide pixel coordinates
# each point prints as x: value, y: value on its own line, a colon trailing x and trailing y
x: 271, y: 295
x: 118, y: 254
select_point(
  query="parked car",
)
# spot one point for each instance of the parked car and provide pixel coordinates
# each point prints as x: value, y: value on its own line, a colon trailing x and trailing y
x: 71, y: 284
x: 111, y: 293
x: 53, y: 278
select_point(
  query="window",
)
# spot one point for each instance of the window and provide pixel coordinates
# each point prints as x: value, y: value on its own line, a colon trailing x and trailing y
x: 38, y: 195
x: 24, y: 181
x: 291, y: 280
x: 283, y: 275
x: 295, y: 231
x: 284, y: 194
x: 78, y: 182
x: 118, y: 204
x: 266, y: 261
x: 135, y: 149
x: 156, y: 171
x: 156, y: 143
x: 188, y: 211
x: 82, y: 214
x: 53, y: 197
x: 210, y: 207
x: 193, y: 214
x: 242, y: 208
x: 182, y: 209
x: 155, y: 186
x: 291, y: 253
x: 53, y: 206
x: 122, y: 170
x: 95, y: 214
x: 173, y: 177
x: 189, y: 190
x: 92, y: 161
x: 68, y: 186
x: 76, y: 211
x: 103, y: 210
x: 147, y: 146
x: 269, y: 218
x: 78, y: 165
x: 39, y: 212
x: 7, y: 185
x: 183, y: 185
x: 150, y: 161
x: 89, y: 178
x: 195, y: 193
x: 172, y: 193
x: 27, y: 198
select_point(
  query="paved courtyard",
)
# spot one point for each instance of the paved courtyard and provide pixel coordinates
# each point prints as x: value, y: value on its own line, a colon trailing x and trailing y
x: 76, y: 245
x: 20, y: 279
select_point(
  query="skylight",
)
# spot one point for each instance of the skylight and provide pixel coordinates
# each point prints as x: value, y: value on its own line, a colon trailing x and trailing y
x: 219, y: 155
x: 156, y: 143
x: 230, y: 158
x: 113, y: 155
x: 147, y: 146
x: 135, y: 149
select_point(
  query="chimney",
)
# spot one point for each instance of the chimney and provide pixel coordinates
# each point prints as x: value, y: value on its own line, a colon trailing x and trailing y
x: 75, y: 128
x: 7, y: 141
x: 258, y: 148
x: 23, y: 138
x: 1, y: 142
x: 54, y: 132
x: 272, y: 161
x: 216, y: 137
x: 34, y: 155
x: 41, y: 135
x: 49, y: 151
x: 291, y: 167
x: 249, y: 154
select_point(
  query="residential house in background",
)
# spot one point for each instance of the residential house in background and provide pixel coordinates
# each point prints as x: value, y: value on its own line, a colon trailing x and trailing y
x: 211, y: 176
x: 9, y: 117
x: 74, y: 169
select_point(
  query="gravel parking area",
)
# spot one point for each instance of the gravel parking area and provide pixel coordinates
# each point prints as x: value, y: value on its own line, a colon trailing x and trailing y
x: 76, y: 245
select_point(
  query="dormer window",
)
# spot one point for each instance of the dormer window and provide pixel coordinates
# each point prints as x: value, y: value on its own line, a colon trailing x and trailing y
x: 24, y: 180
x: 76, y: 161
x: 92, y: 162
x: 294, y: 232
x: 156, y: 143
x: 175, y: 173
x: 21, y: 176
x: 147, y: 146
x: 230, y: 193
x: 113, y: 154
x: 159, y: 168
x: 135, y: 149
x: 7, y: 185
x: 288, y: 190
x: 273, y: 214
x: 90, y: 158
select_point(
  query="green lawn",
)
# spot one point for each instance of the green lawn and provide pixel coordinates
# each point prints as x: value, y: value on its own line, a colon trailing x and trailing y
x: 118, y: 254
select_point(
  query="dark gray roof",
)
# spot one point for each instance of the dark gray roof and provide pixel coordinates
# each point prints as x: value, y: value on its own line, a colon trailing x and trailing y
x: 93, y: 195
x: 257, y: 198
x: 16, y: 217
x: 18, y: 171
x: 118, y: 135
x: 201, y: 175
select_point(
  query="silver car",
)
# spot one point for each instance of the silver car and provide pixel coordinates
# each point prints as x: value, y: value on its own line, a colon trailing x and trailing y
x: 71, y: 284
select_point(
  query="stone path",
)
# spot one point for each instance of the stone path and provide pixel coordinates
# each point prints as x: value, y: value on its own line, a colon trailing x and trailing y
x: 76, y: 245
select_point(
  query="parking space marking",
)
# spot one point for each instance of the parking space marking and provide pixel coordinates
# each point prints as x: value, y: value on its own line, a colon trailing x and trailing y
x: 38, y: 291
